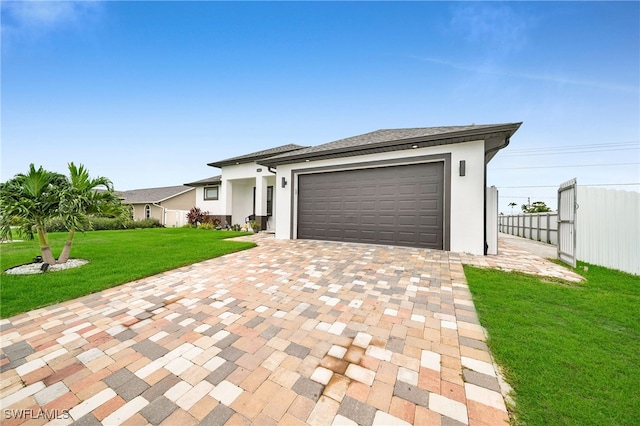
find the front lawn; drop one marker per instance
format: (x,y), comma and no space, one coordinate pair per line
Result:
(116,257)
(571,352)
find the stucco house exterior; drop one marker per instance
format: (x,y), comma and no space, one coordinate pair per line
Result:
(244,191)
(419,187)
(169,204)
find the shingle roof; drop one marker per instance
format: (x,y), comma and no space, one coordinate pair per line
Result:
(153,195)
(254,156)
(393,139)
(207,181)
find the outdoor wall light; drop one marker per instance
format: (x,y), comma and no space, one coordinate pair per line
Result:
(414,146)
(463,167)
(284,182)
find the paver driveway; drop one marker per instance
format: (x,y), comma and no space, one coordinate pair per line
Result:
(290,332)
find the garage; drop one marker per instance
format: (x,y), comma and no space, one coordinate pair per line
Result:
(394,205)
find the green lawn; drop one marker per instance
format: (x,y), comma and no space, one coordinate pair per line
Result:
(116,257)
(571,352)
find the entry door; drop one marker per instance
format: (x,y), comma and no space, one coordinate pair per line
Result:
(396,205)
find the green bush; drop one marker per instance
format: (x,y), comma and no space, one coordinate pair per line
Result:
(105,224)
(144,223)
(55,225)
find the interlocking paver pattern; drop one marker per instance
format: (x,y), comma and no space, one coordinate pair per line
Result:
(290,332)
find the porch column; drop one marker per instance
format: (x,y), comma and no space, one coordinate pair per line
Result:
(226,197)
(261,202)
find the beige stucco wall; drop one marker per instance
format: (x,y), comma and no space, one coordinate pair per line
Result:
(181,202)
(138,212)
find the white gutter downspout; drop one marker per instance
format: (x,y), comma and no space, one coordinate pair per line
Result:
(164,214)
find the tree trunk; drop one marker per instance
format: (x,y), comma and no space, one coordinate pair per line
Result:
(47,255)
(66,251)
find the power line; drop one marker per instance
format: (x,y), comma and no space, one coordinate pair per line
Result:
(574,147)
(580,151)
(556,186)
(563,167)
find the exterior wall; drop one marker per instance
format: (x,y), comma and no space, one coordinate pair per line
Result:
(467,198)
(181,202)
(138,212)
(242,202)
(492,220)
(214,207)
(467,192)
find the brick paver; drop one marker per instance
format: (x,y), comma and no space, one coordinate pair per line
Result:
(290,332)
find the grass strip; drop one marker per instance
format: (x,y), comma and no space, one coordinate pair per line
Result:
(570,351)
(116,257)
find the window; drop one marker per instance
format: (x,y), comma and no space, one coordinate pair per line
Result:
(147,211)
(269,200)
(211,193)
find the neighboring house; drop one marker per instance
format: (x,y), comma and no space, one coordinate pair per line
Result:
(419,187)
(169,204)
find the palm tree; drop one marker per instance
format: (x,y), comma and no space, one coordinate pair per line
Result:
(40,195)
(83,197)
(32,198)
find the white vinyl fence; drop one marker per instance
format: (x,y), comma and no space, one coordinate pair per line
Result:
(534,226)
(175,218)
(607,227)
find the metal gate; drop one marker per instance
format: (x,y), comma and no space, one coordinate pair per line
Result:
(567,206)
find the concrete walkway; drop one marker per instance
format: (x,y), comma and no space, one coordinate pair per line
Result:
(523,255)
(290,332)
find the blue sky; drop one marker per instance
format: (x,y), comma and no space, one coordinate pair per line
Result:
(147,93)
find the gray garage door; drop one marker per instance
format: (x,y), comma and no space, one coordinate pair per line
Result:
(398,205)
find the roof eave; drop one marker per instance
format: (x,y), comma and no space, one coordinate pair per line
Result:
(211,182)
(250,158)
(504,130)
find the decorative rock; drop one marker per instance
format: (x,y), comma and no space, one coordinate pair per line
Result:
(37,268)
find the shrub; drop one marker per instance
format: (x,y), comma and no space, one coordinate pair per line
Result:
(105,224)
(196,216)
(214,220)
(144,223)
(207,225)
(55,225)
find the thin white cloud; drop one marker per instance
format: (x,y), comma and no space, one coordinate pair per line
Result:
(34,18)
(557,79)
(496,27)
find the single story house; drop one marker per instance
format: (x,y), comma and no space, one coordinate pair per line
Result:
(169,204)
(419,187)
(245,190)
